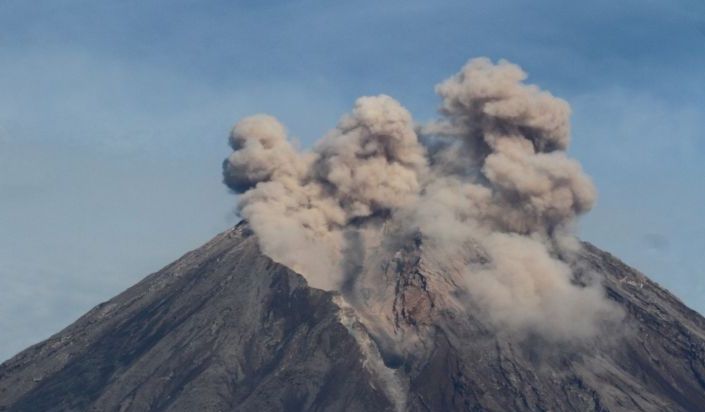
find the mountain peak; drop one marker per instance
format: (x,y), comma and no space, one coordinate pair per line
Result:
(226,328)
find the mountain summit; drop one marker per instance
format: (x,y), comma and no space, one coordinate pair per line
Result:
(226,328)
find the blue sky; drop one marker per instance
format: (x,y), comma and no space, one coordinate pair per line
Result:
(114,118)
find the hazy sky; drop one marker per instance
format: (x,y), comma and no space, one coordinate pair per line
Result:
(114,118)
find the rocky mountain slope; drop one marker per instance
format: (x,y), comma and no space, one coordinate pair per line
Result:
(226,328)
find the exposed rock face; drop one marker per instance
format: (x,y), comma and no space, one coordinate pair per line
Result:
(226,328)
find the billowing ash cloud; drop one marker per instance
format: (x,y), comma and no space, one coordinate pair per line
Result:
(489,178)
(372,162)
(261,152)
(515,134)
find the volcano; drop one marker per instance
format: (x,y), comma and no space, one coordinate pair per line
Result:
(226,328)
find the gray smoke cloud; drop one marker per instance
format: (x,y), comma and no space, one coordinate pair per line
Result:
(261,152)
(299,204)
(516,135)
(489,178)
(372,162)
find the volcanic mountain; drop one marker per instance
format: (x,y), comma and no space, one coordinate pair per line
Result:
(226,328)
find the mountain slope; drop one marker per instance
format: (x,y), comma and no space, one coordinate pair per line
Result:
(225,328)
(222,327)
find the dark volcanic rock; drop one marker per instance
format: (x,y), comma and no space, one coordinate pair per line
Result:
(225,328)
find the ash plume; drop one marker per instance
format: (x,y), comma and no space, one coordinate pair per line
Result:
(489,178)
